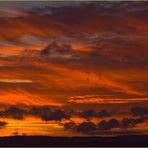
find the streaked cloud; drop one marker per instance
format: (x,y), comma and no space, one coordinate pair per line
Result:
(15,81)
(96,99)
(74,55)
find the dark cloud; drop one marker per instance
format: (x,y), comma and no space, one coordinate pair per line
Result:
(2,124)
(46,114)
(103,114)
(13,112)
(42,112)
(87,114)
(57,115)
(107,125)
(140,120)
(55,50)
(139,111)
(70,126)
(86,127)
(103,126)
(90,113)
(54,47)
(131,122)
(126,122)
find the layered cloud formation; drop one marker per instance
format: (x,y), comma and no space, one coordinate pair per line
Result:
(74,55)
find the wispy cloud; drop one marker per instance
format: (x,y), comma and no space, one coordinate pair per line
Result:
(97,99)
(15,81)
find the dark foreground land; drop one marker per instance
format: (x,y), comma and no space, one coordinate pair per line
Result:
(35,141)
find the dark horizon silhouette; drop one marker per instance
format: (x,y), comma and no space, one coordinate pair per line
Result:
(129,140)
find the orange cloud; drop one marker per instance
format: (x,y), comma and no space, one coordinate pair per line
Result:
(96,99)
(21,97)
(105,63)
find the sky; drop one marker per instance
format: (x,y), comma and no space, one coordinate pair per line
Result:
(73,68)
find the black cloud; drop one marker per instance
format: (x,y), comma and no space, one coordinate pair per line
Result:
(86,127)
(2,124)
(92,113)
(46,114)
(107,125)
(55,48)
(87,114)
(58,115)
(131,122)
(103,114)
(13,112)
(139,111)
(42,112)
(70,126)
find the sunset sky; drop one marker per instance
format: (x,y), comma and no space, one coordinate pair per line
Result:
(73,68)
